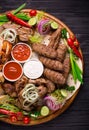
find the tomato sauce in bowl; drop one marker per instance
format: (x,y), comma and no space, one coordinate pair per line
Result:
(12,71)
(21,52)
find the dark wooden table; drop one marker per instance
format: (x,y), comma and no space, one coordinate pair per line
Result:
(74,13)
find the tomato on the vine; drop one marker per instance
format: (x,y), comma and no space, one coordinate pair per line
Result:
(33,12)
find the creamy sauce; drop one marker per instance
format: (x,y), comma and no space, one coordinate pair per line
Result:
(33,69)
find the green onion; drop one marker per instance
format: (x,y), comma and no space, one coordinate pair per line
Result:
(75,70)
(23,16)
(3,18)
(19,8)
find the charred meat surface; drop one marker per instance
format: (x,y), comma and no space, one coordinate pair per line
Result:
(66,65)
(38,81)
(9,89)
(42,90)
(61,52)
(44,82)
(50,86)
(44,50)
(24,33)
(20,84)
(51,64)
(54,40)
(54,76)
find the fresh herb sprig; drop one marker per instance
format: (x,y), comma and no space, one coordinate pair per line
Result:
(70,88)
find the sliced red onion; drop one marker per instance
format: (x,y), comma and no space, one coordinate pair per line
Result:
(40,26)
(51,103)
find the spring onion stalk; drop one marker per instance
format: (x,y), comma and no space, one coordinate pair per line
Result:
(19,8)
(23,16)
(3,18)
(76,71)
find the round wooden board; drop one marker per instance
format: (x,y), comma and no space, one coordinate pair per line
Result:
(67,104)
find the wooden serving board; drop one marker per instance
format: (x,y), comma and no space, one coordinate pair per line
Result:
(69,101)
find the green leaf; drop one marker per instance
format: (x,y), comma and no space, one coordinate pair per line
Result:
(35,39)
(1,23)
(23,16)
(40,15)
(3,18)
(70,88)
(10,107)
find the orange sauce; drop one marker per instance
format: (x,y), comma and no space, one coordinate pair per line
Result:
(12,70)
(21,52)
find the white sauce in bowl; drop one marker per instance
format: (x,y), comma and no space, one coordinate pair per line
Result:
(33,69)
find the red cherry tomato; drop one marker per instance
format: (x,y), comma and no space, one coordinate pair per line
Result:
(19,115)
(33,13)
(26,120)
(13,119)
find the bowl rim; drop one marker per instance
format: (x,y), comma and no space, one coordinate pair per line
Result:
(12,80)
(23,60)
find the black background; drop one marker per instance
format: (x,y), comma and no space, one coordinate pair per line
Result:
(74,13)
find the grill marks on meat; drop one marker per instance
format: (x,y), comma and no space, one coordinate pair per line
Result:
(52,57)
(39,81)
(55,39)
(20,84)
(61,52)
(44,50)
(51,64)
(47,83)
(66,65)
(42,90)
(22,32)
(50,86)
(9,89)
(54,76)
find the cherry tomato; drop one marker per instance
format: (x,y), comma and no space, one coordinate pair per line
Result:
(19,115)
(13,119)
(26,120)
(33,13)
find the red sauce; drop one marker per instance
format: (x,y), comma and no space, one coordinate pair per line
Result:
(12,70)
(21,52)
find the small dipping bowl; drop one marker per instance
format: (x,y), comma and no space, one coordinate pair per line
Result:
(21,52)
(33,69)
(12,71)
